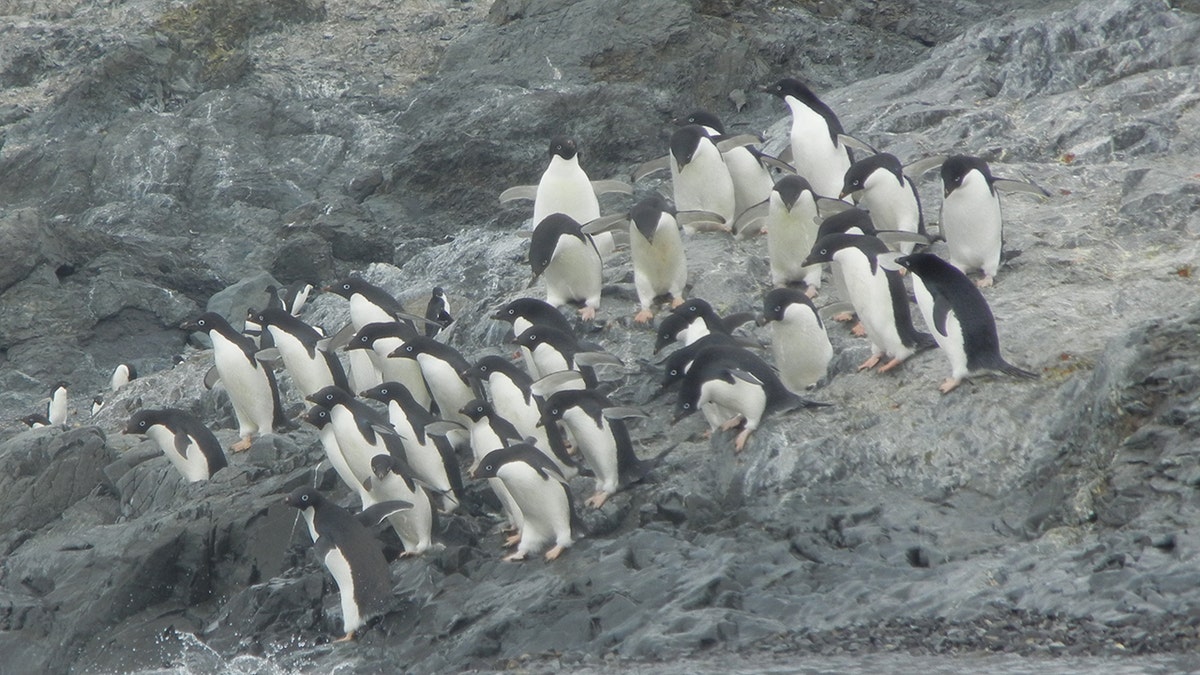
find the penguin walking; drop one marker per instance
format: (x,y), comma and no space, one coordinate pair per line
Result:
(601,436)
(437,312)
(442,367)
(250,385)
(877,294)
(348,550)
(659,261)
(392,479)
(122,375)
(818,152)
(430,456)
(960,317)
(525,312)
(570,262)
(700,177)
(190,446)
(555,351)
(791,231)
(971,222)
(320,418)
(379,340)
(301,347)
(878,184)
(541,494)
(58,404)
(490,432)
(368,304)
(799,343)
(749,167)
(361,432)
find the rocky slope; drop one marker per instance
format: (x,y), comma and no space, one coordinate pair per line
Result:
(159,158)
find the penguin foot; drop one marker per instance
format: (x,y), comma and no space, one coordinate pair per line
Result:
(984,282)
(596,501)
(706,435)
(676,301)
(242,445)
(553,553)
(514,557)
(949,385)
(512,540)
(348,637)
(843,317)
(740,441)
(870,363)
(587,313)
(408,554)
(643,316)
(890,364)
(733,422)
(811,292)
(859,330)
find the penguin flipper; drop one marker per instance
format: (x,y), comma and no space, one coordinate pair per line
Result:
(1010,185)
(337,340)
(622,413)
(738,318)
(597,359)
(650,167)
(211,378)
(374,514)
(547,385)
(182,442)
(891,237)
(269,356)
(727,143)
(915,169)
(322,546)
(519,192)
(605,223)
(601,187)
(751,215)
(701,223)
(442,427)
(858,143)
(450,463)
(828,206)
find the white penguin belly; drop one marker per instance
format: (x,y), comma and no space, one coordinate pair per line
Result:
(752,182)
(356,451)
(337,460)
(598,447)
(801,349)
(414,526)
(873,302)
(339,567)
(405,371)
(704,184)
(951,344)
(543,504)
(742,398)
(363,312)
(573,274)
(446,386)
(565,189)
(814,154)
(971,226)
(892,207)
(247,386)
(309,374)
(193,466)
(659,267)
(790,237)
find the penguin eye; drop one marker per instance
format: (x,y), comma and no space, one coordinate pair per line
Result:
(687,406)
(346,286)
(384,391)
(823,251)
(201,322)
(778,308)
(483,369)
(142,423)
(304,498)
(488,467)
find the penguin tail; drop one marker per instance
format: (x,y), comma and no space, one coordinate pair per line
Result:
(1009,369)
(640,469)
(924,341)
(795,402)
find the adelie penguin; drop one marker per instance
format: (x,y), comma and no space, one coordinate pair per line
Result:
(379,340)
(818,151)
(251,385)
(351,554)
(192,449)
(58,404)
(392,479)
(437,312)
(962,322)
(971,223)
(35,420)
(442,366)
(320,418)
(122,375)
(700,177)
(525,312)
(600,435)
(301,347)
(749,167)
(799,342)
(878,184)
(570,263)
(542,495)
(878,296)
(791,227)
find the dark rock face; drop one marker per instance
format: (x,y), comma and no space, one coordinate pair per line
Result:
(158,159)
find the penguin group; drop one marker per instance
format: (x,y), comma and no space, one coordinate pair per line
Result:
(406,421)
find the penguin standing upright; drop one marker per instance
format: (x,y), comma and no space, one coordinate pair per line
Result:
(437,312)
(183,438)
(700,176)
(570,262)
(344,545)
(491,432)
(879,185)
(659,261)
(818,153)
(799,342)
(971,223)
(368,304)
(442,366)
(295,296)
(122,375)
(747,165)
(878,296)
(542,495)
(791,232)
(251,385)
(961,320)
(320,418)
(58,405)
(555,351)
(525,312)
(379,340)
(602,440)
(392,479)
(312,367)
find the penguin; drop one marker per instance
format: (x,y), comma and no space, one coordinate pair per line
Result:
(673,328)
(732,396)
(348,550)
(659,262)
(748,166)
(392,479)
(437,312)
(791,231)
(799,342)
(58,406)
(361,432)
(251,328)
(877,294)
(430,456)
(368,303)
(35,421)
(570,262)
(251,385)
(525,312)
(565,188)
(301,347)
(122,375)
(295,296)
(442,367)
(960,317)
(702,319)
(700,177)
(818,152)
(320,418)
(878,184)
(378,340)
(193,450)
(97,404)
(541,494)
(602,438)
(554,351)
(971,222)
(491,432)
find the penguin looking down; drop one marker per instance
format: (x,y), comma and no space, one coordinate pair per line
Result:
(541,494)
(570,263)
(190,446)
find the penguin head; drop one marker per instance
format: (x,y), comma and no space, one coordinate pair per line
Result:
(491,463)
(318,416)
(702,118)
(956,168)
(777,301)
(57,386)
(381,465)
(852,220)
(304,497)
(409,350)
(647,214)
(346,287)
(790,86)
(926,265)
(545,239)
(686,404)
(790,187)
(476,409)
(825,247)
(859,173)
(561,146)
(329,396)
(389,391)
(685,142)
(670,329)
(204,323)
(140,422)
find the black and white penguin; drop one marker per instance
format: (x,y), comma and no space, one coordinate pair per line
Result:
(700,177)
(368,303)
(877,183)
(818,152)
(437,312)
(97,404)
(392,479)
(747,164)
(320,418)
(791,231)
(183,438)
(58,404)
(379,340)
(295,296)
(122,375)
(799,343)
(525,312)
(251,328)
(959,315)
(301,347)
(733,387)
(877,294)
(555,351)
(702,319)
(431,456)
(360,430)
(491,432)
(442,366)
(600,436)
(659,261)
(570,262)
(540,493)
(348,550)
(251,385)
(35,420)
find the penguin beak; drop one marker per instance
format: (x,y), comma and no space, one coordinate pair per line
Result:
(809,261)
(532,280)
(760,320)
